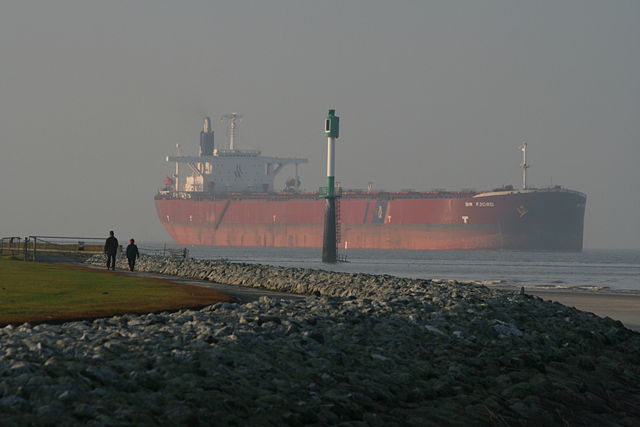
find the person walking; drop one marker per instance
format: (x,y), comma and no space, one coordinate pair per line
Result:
(111,249)
(132,254)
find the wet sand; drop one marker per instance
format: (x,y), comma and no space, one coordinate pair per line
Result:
(618,306)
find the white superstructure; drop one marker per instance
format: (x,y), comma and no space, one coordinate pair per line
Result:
(230,170)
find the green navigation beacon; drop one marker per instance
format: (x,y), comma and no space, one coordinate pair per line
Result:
(332,125)
(329,243)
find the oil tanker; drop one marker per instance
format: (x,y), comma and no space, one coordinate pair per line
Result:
(226,197)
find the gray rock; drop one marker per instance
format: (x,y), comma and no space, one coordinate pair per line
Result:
(359,349)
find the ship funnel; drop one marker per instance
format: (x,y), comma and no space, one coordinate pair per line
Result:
(206,138)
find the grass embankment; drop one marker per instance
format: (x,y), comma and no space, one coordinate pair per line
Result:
(47,293)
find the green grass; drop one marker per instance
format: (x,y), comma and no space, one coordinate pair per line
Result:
(40,292)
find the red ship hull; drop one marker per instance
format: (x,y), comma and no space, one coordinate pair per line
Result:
(549,219)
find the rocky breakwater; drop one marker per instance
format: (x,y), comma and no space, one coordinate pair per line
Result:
(358,350)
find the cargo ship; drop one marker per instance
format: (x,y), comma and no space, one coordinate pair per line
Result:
(226,197)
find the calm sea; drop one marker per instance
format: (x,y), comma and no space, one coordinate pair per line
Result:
(591,269)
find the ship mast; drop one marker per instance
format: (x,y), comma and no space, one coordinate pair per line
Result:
(233,120)
(524,166)
(177,174)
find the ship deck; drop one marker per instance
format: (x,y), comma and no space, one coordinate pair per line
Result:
(355,194)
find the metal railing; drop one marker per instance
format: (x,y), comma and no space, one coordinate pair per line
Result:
(12,246)
(67,248)
(164,251)
(51,248)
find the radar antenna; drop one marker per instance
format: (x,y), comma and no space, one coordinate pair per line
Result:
(524,166)
(233,120)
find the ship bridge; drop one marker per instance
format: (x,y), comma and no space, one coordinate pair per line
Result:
(228,169)
(231,171)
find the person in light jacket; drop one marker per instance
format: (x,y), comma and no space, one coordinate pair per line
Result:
(132,254)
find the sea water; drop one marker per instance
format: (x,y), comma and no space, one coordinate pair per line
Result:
(592,269)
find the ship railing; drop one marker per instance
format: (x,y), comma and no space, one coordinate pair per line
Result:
(170,194)
(237,153)
(323,192)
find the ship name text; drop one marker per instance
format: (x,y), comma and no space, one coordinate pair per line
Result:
(480,204)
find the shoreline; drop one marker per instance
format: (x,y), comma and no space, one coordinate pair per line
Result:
(615,305)
(351,349)
(620,305)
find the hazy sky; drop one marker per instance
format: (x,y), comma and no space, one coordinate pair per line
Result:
(431,94)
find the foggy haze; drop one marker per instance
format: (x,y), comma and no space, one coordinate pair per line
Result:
(94,95)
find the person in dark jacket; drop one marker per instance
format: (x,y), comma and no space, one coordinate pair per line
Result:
(132,254)
(111,249)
